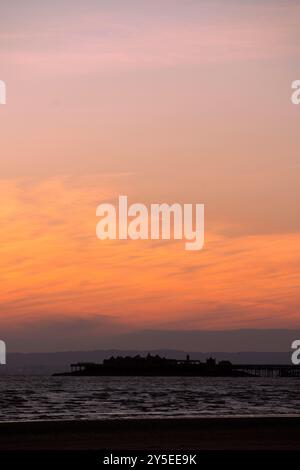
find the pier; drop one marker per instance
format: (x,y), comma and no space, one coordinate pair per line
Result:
(158,366)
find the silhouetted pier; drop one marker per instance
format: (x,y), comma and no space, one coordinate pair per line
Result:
(160,366)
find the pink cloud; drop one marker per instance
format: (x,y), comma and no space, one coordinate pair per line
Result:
(110,40)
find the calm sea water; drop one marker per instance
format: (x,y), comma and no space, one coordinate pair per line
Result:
(58,398)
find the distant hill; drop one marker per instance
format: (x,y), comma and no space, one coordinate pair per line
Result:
(48,363)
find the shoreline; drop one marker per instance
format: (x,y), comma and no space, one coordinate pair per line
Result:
(230,433)
(154,418)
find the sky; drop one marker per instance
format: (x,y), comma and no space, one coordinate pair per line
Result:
(164,101)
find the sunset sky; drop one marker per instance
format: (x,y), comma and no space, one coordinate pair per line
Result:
(165,101)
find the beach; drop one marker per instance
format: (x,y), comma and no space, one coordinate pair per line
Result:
(246,433)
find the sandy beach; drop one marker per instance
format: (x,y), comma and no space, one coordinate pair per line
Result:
(154,434)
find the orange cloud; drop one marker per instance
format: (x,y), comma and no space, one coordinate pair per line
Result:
(52,263)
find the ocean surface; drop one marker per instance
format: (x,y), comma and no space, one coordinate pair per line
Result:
(70,398)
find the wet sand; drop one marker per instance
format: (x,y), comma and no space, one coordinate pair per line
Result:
(154,434)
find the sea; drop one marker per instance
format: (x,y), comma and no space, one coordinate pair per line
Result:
(33,398)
